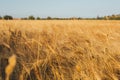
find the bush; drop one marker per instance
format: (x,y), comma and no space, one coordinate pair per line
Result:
(38,18)
(31,18)
(8,17)
(49,18)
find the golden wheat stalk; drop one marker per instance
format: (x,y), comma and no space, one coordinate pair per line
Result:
(10,67)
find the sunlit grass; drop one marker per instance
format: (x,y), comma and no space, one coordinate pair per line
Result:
(61,50)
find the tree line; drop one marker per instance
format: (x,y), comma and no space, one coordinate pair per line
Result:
(110,17)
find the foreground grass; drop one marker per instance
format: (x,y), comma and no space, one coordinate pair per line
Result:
(61,50)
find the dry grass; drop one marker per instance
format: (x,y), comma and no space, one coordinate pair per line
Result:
(61,50)
(9,69)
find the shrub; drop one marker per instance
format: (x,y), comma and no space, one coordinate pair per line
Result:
(8,17)
(31,18)
(38,18)
(49,18)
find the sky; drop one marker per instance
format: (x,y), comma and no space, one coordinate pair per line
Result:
(59,8)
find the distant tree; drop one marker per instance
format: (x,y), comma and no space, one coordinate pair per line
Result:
(24,18)
(79,18)
(57,18)
(7,17)
(49,18)
(113,15)
(118,18)
(0,17)
(98,17)
(106,17)
(38,18)
(31,18)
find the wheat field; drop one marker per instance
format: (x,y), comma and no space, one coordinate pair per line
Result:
(60,50)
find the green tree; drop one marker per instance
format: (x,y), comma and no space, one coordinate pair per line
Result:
(49,18)
(8,17)
(31,18)
(79,18)
(38,18)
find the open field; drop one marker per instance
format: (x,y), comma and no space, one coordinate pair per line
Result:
(60,50)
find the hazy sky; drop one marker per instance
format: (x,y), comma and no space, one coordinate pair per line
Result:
(59,8)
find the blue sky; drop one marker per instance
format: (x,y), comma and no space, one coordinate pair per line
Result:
(59,8)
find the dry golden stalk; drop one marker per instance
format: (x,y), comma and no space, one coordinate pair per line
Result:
(10,67)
